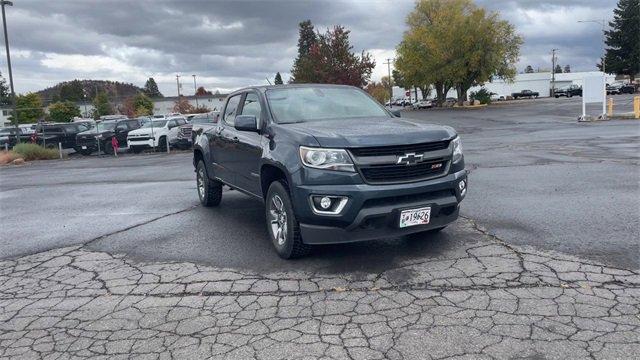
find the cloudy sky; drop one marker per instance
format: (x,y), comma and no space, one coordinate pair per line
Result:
(230,44)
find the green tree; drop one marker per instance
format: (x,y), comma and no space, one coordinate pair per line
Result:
(453,43)
(528,70)
(302,66)
(137,105)
(201,91)
(151,89)
(330,61)
(71,91)
(63,111)
(558,69)
(5,95)
(623,40)
(101,105)
(378,90)
(29,108)
(278,79)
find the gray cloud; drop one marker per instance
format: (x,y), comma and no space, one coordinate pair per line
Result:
(236,43)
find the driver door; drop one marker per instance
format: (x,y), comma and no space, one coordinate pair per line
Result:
(222,142)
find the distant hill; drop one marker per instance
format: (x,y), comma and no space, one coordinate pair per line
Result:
(74,90)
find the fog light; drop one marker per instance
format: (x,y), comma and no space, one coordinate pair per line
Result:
(325,203)
(461,185)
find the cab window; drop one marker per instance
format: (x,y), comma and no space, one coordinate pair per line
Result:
(230,111)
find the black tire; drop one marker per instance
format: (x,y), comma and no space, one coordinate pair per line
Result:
(85,152)
(136,150)
(51,146)
(570,95)
(162,143)
(209,191)
(282,225)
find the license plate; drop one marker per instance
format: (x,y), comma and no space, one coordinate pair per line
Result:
(415,217)
(84,147)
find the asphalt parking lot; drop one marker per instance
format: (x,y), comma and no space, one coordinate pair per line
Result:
(108,257)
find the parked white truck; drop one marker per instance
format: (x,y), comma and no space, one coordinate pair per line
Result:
(156,133)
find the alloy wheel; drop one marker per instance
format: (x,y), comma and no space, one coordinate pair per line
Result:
(278,220)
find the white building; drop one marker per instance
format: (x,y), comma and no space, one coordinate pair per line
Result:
(540,82)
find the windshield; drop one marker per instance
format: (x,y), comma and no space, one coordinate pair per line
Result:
(154,123)
(304,104)
(105,126)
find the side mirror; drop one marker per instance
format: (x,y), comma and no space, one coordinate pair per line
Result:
(396,113)
(246,123)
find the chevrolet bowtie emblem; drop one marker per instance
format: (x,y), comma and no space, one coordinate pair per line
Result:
(409,159)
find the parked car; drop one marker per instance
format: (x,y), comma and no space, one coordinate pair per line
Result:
(498,97)
(620,88)
(423,104)
(525,94)
(99,137)
(155,134)
(329,173)
(569,91)
(9,137)
(52,134)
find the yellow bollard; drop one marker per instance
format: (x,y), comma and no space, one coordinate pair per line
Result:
(610,108)
(636,106)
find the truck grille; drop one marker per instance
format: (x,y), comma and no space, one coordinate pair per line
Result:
(140,138)
(86,141)
(403,173)
(400,149)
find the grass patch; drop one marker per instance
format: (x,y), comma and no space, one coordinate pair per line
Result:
(31,152)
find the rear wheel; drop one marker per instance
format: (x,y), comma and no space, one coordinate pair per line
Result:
(108,148)
(282,224)
(209,191)
(136,150)
(162,143)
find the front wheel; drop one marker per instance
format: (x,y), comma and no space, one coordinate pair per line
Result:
(209,191)
(282,224)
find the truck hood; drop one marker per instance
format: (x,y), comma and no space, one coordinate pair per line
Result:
(147,131)
(348,133)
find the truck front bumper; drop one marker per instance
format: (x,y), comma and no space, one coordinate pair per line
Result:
(148,143)
(372,211)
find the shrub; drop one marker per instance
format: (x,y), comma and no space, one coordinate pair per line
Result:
(481,95)
(30,152)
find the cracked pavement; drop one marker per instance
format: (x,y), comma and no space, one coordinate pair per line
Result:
(485,299)
(117,260)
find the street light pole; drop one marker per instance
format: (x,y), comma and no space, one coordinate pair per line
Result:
(178,84)
(553,72)
(195,90)
(6,46)
(602,23)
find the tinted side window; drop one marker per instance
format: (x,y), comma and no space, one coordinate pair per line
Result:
(121,126)
(230,111)
(171,124)
(134,124)
(252,105)
(181,121)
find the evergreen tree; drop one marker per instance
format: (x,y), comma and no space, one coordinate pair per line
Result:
(623,40)
(278,79)
(151,88)
(302,66)
(528,69)
(558,69)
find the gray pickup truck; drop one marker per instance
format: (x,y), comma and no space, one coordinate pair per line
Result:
(331,165)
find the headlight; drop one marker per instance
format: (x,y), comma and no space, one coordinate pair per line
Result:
(328,159)
(457,149)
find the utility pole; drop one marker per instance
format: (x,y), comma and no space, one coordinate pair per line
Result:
(195,90)
(6,46)
(178,84)
(553,72)
(390,81)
